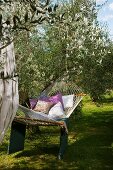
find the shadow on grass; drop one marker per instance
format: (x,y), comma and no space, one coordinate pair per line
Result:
(107,100)
(39,150)
(97,120)
(91,152)
(93,146)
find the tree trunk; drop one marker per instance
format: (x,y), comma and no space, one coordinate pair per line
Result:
(9,98)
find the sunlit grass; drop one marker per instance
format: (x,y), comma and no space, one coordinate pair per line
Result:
(90,144)
(90,107)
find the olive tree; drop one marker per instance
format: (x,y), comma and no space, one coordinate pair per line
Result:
(84,45)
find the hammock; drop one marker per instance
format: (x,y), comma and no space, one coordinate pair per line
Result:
(65,88)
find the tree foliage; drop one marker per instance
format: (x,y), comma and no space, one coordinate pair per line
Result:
(16,16)
(71,42)
(85,45)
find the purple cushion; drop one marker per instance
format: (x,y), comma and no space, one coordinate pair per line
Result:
(33,103)
(57,98)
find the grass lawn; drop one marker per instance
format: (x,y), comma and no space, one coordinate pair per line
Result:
(90,143)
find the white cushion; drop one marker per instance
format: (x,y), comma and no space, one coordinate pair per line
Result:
(56,111)
(68,100)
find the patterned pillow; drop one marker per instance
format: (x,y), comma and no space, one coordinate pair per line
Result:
(43,106)
(54,99)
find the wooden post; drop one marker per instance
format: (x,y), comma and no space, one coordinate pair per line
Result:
(63,141)
(17,137)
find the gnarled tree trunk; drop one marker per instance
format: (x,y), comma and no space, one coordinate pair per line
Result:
(9,98)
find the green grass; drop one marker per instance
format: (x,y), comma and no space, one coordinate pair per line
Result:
(90,143)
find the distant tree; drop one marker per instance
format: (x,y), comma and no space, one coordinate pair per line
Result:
(107,64)
(37,66)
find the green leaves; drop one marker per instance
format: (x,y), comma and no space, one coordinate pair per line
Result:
(23,15)
(83,45)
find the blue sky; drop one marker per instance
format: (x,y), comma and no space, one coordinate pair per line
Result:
(105,15)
